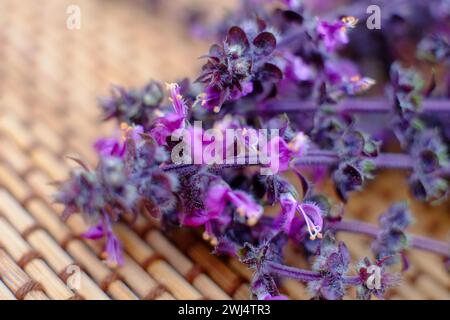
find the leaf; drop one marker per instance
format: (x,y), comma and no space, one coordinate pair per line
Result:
(353,142)
(215,51)
(80,162)
(270,72)
(292,16)
(265,43)
(418,189)
(237,37)
(431,86)
(347,178)
(429,161)
(304,182)
(260,23)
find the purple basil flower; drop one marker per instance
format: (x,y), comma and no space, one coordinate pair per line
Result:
(376,287)
(333,262)
(296,69)
(94,232)
(166,124)
(357,84)
(214,215)
(310,213)
(335,34)
(284,151)
(113,147)
(109,147)
(113,250)
(234,65)
(337,71)
(345,78)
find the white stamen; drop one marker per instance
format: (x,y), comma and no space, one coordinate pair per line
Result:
(314,231)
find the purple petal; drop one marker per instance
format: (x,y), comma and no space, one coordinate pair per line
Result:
(165,126)
(196,219)
(288,209)
(246,206)
(95,232)
(177,100)
(270,72)
(114,250)
(216,199)
(108,147)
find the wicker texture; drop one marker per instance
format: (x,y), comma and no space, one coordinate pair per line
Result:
(49,79)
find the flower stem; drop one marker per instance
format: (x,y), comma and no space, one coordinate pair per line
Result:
(384,160)
(305,275)
(418,242)
(353,105)
(315,158)
(293,273)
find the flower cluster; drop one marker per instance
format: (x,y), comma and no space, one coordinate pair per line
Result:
(273,68)
(332,262)
(133,106)
(235,67)
(392,240)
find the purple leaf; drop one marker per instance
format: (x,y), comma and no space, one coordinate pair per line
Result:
(237,37)
(265,43)
(270,72)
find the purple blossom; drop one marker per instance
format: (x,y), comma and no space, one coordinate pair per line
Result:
(113,250)
(215,216)
(166,124)
(94,232)
(281,153)
(386,281)
(296,69)
(309,212)
(113,147)
(234,65)
(334,34)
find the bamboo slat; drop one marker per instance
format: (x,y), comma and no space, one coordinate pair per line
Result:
(20,284)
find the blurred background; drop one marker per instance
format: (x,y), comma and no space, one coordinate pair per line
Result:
(51,77)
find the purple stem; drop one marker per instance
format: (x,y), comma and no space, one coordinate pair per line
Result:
(305,275)
(354,105)
(418,242)
(238,162)
(384,160)
(294,273)
(319,158)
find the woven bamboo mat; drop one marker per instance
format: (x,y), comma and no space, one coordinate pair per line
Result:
(49,80)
